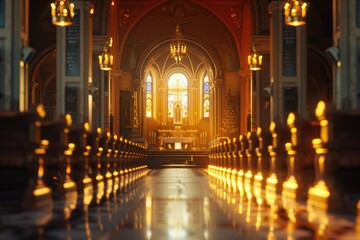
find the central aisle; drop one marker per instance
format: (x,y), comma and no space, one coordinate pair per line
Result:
(176,205)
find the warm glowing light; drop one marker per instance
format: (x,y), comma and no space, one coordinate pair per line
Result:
(71,146)
(100,190)
(69,184)
(86,126)
(255,60)
(272,179)
(88,194)
(41,191)
(291,119)
(86,180)
(106,60)
(178,47)
(291,183)
(40,169)
(320,113)
(99,177)
(320,190)
(41,111)
(108,175)
(295,12)
(68,119)
(40,151)
(62,13)
(320,109)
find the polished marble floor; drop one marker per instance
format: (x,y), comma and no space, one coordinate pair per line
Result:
(178,203)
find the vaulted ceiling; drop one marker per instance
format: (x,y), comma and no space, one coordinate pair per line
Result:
(218,32)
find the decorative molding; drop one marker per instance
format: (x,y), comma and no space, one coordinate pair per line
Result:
(275,5)
(219,82)
(262,43)
(244,73)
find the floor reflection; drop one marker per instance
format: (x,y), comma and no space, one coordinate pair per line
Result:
(178,206)
(182,204)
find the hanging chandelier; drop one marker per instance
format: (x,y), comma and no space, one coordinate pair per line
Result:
(62,13)
(254,60)
(178,47)
(295,12)
(106,60)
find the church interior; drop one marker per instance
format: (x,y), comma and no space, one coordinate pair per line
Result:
(179,119)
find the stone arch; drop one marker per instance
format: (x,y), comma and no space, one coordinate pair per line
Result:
(210,60)
(191,34)
(319,79)
(43,81)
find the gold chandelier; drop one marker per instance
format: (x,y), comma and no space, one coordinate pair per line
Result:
(295,12)
(106,60)
(178,47)
(62,13)
(254,60)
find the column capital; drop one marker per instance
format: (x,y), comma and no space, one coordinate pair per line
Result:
(136,82)
(98,42)
(244,73)
(115,75)
(276,5)
(262,43)
(218,82)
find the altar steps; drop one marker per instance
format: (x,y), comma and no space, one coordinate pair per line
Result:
(163,158)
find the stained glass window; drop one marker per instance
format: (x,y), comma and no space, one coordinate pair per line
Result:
(206,95)
(178,94)
(148,96)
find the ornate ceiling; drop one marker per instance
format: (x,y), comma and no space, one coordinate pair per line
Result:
(217,31)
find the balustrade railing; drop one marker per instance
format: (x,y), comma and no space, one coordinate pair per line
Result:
(52,165)
(311,162)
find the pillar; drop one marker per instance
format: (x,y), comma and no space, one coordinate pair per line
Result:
(261,81)
(217,107)
(98,83)
(244,100)
(346,37)
(115,86)
(287,65)
(14,54)
(74,65)
(138,129)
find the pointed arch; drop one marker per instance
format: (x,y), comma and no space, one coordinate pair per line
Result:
(177,95)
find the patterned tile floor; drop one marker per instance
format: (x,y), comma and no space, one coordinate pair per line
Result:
(177,203)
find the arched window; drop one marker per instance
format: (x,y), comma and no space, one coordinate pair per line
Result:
(178,94)
(149,96)
(206,95)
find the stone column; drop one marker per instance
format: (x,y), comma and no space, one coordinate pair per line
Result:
(15,55)
(160,93)
(346,33)
(244,99)
(114,107)
(288,65)
(212,112)
(98,83)
(261,80)
(138,128)
(106,86)
(217,108)
(74,65)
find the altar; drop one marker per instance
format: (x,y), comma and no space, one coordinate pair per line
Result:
(177,139)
